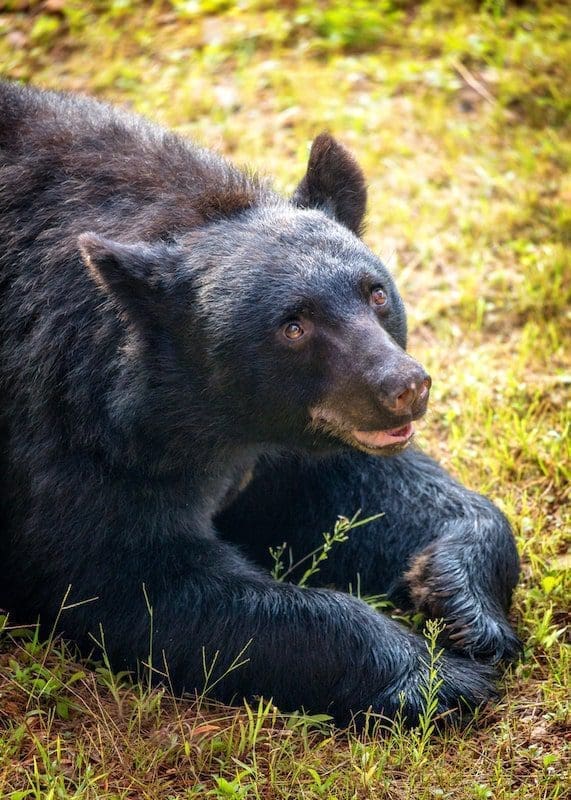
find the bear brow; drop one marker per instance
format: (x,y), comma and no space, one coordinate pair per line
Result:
(299,308)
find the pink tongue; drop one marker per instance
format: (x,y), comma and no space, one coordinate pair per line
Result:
(384,438)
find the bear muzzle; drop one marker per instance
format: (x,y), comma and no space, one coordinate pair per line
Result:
(380,419)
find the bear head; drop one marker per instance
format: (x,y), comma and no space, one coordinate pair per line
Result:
(287,330)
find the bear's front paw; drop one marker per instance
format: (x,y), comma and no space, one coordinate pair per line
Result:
(483,636)
(474,623)
(463,686)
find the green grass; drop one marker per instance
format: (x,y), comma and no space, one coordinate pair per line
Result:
(459,113)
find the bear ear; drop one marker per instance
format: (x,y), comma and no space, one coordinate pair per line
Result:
(139,277)
(334,183)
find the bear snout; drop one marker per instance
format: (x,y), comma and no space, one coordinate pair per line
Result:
(409,395)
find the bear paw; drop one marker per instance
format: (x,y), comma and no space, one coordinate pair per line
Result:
(475,625)
(463,687)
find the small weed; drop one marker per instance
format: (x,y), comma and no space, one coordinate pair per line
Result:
(343,526)
(420,736)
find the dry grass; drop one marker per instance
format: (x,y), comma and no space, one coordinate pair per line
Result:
(459,113)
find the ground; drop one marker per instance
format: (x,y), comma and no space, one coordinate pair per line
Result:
(459,113)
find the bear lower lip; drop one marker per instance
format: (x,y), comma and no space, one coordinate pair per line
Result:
(384,438)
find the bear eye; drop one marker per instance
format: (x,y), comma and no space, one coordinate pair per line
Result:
(293,331)
(379,296)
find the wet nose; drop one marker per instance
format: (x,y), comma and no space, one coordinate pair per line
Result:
(401,400)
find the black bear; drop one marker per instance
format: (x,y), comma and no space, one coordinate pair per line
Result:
(193,369)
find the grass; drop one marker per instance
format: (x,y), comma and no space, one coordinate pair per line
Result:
(459,113)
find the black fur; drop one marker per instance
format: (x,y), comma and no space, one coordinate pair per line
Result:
(147,294)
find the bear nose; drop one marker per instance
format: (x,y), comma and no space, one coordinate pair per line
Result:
(401,402)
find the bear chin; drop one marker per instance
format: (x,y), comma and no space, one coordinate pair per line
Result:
(386,450)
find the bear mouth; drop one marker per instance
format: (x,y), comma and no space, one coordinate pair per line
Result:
(374,442)
(394,438)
